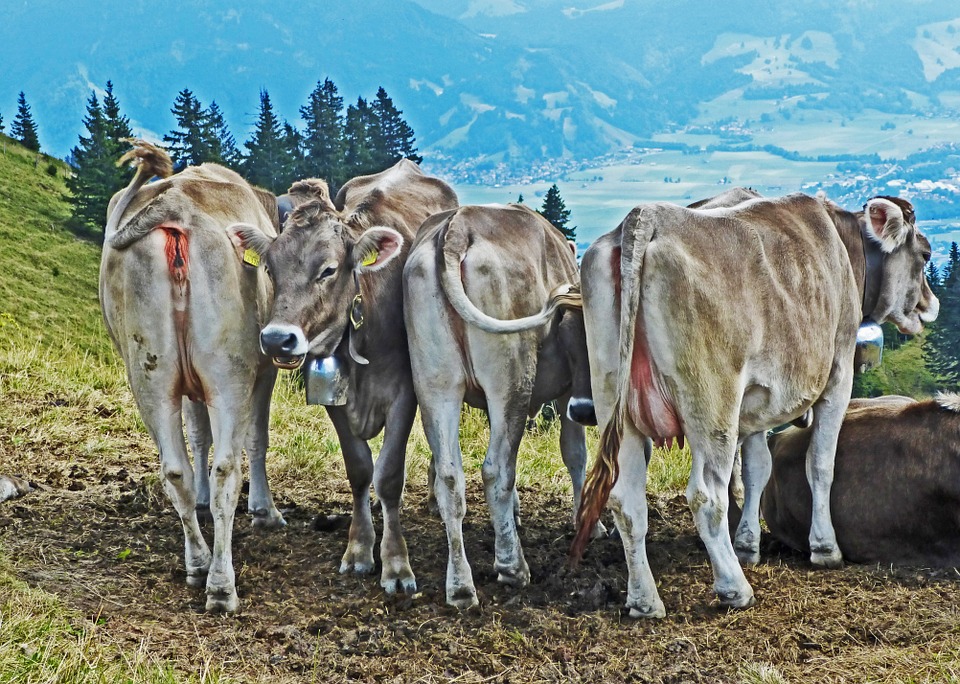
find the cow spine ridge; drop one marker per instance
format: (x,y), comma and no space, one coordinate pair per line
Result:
(636,233)
(150,161)
(949,400)
(451,253)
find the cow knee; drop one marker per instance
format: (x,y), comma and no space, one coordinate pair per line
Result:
(224,469)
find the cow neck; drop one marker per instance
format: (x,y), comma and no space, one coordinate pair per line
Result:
(865,257)
(873,272)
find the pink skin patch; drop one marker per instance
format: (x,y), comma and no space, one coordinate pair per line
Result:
(649,407)
(175,250)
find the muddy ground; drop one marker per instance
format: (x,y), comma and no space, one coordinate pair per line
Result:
(99,534)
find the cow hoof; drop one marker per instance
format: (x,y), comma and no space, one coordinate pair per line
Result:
(222,601)
(831,559)
(267,520)
(197,578)
(463,598)
(747,556)
(357,567)
(513,577)
(653,611)
(736,599)
(399,585)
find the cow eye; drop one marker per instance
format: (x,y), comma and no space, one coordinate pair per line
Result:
(926,256)
(327,272)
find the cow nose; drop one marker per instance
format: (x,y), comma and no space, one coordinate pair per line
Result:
(283,340)
(581,410)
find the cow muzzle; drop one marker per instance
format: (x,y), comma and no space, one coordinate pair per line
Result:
(285,344)
(581,410)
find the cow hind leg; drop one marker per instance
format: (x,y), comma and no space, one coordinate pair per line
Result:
(224,495)
(388,480)
(707,494)
(358,558)
(164,421)
(573,450)
(441,424)
(260,503)
(197,422)
(757,464)
(507,423)
(628,501)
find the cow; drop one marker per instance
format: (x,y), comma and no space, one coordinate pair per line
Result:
(896,486)
(183,305)
(338,292)
(733,321)
(474,274)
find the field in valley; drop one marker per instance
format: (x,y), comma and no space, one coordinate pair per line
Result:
(91,572)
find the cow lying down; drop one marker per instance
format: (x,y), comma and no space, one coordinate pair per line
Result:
(896,484)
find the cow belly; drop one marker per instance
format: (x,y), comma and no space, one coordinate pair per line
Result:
(649,406)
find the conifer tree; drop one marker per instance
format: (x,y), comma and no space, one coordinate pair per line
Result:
(293,144)
(393,138)
(1,123)
(220,143)
(268,162)
(555,211)
(323,137)
(942,347)
(24,128)
(188,144)
(360,154)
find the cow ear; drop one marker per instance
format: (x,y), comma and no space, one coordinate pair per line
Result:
(376,247)
(249,242)
(885,224)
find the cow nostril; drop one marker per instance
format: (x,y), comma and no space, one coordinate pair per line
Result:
(281,341)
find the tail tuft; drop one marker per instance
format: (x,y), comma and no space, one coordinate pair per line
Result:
(596,490)
(150,159)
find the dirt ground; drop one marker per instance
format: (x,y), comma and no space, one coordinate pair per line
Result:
(100,534)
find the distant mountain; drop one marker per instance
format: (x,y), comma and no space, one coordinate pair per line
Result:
(481,81)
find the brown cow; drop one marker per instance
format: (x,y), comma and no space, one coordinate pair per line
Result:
(734,320)
(468,271)
(337,278)
(896,484)
(184,311)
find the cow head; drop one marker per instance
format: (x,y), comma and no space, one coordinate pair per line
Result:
(573,338)
(896,289)
(315,266)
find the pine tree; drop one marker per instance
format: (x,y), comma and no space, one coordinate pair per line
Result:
(97,176)
(268,163)
(189,143)
(556,212)
(360,154)
(942,347)
(221,145)
(323,137)
(24,128)
(520,198)
(1,123)
(393,139)
(293,144)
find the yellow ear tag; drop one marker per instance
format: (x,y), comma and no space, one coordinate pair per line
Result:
(251,257)
(370,259)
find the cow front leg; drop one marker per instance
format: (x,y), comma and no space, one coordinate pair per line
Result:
(628,502)
(573,450)
(260,502)
(357,459)
(197,423)
(707,494)
(225,480)
(507,423)
(388,481)
(828,415)
(757,463)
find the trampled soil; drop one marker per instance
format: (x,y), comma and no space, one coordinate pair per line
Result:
(100,534)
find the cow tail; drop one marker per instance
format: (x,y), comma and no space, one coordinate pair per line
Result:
(451,250)
(637,231)
(149,160)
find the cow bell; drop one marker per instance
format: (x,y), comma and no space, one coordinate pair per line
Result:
(869,352)
(326,381)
